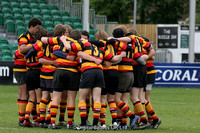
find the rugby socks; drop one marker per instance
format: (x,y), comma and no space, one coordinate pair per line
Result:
(63,106)
(88,107)
(29,108)
(22,107)
(34,113)
(103,113)
(135,111)
(38,112)
(70,111)
(113,110)
(43,105)
(18,106)
(54,110)
(83,112)
(119,118)
(150,110)
(140,110)
(96,112)
(125,109)
(124,119)
(48,118)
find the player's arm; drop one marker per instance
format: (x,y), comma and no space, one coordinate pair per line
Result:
(124,39)
(30,52)
(62,55)
(97,43)
(118,58)
(86,56)
(141,59)
(46,62)
(151,52)
(66,44)
(44,40)
(24,48)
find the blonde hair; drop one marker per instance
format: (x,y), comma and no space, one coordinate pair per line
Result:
(68,28)
(101,35)
(59,30)
(124,28)
(132,30)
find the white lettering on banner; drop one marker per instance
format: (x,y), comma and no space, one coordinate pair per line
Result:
(177,74)
(186,75)
(193,75)
(158,71)
(4,71)
(168,75)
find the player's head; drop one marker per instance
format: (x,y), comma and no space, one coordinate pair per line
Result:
(68,30)
(40,32)
(118,33)
(75,34)
(124,28)
(85,34)
(33,24)
(132,31)
(59,30)
(101,35)
(50,34)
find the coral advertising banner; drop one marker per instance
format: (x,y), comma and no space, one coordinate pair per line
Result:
(177,75)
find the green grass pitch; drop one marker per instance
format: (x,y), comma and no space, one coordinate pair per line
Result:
(178,108)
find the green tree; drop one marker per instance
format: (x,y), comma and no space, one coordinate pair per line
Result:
(161,11)
(116,10)
(148,11)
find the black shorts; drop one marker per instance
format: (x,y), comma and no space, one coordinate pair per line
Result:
(20,77)
(92,78)
(140,76)
(46,84)
(65,80)
(151,78)
(111,78)
(33,79)
(125,82)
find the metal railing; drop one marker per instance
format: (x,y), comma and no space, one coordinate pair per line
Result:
(163,56)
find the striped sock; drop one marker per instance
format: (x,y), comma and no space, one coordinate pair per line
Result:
(139,109)
(125,109)
(70,111)
(83,112)
(22,111)
(113,110)
(54,110)
(124,119)
(38,111)
(96,113)
(29,108)
(150,110)
(48,118)
(103,114)
(34,113)
(63,106)
(43,105)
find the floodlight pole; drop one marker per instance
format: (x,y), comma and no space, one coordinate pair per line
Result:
(191,31)
(134,14)
(86,15)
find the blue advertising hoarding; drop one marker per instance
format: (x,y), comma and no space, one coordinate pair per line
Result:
(177,75)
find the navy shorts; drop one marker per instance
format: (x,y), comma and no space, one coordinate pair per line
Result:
(140,76)
(111,78)
(65,80)
(20,77)
(92,78)
(33,79)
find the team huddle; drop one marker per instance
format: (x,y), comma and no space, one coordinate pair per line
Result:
(51,67)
